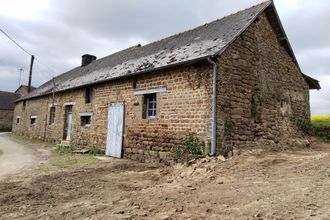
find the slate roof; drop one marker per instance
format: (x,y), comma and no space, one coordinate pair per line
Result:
(25,87)
(184,48)
(196,44)
(7,100)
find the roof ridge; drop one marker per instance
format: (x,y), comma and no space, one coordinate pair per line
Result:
(168,37)
(7,92)
(207,23)
(182,32)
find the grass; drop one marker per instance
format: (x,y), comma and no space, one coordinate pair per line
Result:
(321,121)
(61,156)
(64,157)
(67,160)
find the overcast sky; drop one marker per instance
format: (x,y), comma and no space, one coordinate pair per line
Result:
(58,32)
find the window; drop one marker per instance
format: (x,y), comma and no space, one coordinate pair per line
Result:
(24,105)
(151,104)
(33,120)
(52,115)
(18,120)
(89,95)
(85,121)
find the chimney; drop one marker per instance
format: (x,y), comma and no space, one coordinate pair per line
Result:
(87,59)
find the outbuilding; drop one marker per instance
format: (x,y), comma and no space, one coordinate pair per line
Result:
(234,82)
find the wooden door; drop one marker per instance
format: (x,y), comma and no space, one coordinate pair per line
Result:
(115,130)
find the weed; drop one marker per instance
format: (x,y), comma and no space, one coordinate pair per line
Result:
(324,139)
(227,126)
(95,151)
(65,149)
(178,151)
(254,107)
(192,148)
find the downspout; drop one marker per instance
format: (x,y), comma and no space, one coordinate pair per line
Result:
(45,132)
(214,106)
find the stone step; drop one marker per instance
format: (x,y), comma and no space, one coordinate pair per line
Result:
(65,143)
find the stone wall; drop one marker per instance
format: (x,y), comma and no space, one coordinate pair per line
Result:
(182,110)
(6,119)
(262,96)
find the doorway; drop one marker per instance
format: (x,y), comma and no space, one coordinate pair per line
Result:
(68,123)
(115,130)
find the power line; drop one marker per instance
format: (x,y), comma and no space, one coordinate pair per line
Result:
(15,42)
(47,66)
(10,38)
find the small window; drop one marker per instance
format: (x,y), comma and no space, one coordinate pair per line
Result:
(85,121)
(33,120)
(52,115)
(18,120)
(24,105)
(89,95)
(151,105)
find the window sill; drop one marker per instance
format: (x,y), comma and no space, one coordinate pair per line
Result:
(86,126)
(150,119)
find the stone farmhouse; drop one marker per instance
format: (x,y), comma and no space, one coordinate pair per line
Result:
(234,82)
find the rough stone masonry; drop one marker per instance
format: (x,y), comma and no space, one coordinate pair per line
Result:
(262,100)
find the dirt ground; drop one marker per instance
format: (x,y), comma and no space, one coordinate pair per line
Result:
(14,158)
(253,185)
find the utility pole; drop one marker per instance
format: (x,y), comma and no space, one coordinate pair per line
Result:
(30,75)
(54,87)
(21,70)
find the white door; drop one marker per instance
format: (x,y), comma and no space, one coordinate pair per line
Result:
(69,127)
(115,130)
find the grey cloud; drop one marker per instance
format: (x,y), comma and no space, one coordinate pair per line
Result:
(72,28)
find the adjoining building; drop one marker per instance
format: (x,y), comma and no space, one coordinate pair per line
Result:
(234,82)
(7,106)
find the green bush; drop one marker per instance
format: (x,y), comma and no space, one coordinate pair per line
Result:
(325,139)
(5,130)
(192,148)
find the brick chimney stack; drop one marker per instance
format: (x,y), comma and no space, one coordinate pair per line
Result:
(87,59)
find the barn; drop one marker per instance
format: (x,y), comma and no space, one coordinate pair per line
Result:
(234,82)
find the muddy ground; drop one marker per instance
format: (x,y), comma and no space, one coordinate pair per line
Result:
(253,185)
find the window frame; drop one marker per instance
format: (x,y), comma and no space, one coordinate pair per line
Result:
(52,114)
(89,95)
(151,99)
(24,105)
(33,120)
(83,120)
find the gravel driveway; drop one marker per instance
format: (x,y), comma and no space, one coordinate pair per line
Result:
(14,156)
